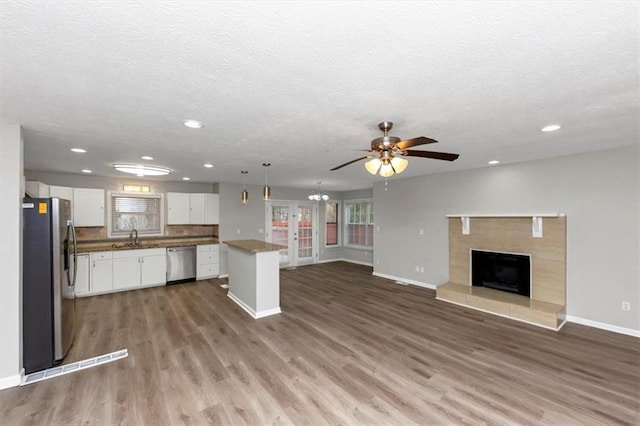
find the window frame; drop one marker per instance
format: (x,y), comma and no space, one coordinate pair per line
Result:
(112,194)
(337,222)
(345,222)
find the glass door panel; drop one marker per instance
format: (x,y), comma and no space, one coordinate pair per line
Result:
(304,234)
(280,230)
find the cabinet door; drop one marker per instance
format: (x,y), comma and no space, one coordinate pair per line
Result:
(88,207)
(211,209)
(83,286)
(196,214)
(177,208)
(153,270)
(102,276)
(126,273)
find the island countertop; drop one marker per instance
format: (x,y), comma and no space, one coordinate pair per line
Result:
(254,246)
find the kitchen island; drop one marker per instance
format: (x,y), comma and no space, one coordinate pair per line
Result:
(254,276)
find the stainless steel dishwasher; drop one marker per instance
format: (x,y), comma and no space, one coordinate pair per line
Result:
(181,264)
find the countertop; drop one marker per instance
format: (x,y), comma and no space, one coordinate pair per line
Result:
(158,242)
(254,246)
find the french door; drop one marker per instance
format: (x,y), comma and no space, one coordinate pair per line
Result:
(294,225)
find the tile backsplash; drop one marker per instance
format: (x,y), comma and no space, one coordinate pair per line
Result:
(100,233)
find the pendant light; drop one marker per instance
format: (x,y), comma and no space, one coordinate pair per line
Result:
(244,198)
(266,191)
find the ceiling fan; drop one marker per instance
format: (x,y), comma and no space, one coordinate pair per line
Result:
(387,151)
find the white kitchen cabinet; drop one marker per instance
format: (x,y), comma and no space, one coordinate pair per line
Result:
(88,207)
(126,271)
(178,208)
(83,274)
(207,261)
(153,270)
(211,209)
(192,209)
(136,268)
(101,279)
(196,209)
(36,189)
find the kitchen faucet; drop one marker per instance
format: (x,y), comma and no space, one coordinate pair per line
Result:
(135,241)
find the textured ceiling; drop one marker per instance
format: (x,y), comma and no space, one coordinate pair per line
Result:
(303,84)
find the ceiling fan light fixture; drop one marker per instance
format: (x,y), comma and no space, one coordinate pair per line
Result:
(373,165)
(399,164)
(386,170)
(142,170)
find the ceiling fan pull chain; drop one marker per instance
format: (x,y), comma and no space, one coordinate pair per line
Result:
(385,184)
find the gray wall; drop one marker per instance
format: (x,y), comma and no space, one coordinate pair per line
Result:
(599,193)
(116,184)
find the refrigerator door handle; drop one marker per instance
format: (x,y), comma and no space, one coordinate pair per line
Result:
(75,254)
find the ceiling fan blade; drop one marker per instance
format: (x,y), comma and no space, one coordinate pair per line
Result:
(430,154)
(420,140)
(350,162)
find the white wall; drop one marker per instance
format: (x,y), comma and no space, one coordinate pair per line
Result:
(10,254)
(599,192)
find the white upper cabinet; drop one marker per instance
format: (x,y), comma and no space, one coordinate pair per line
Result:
(196,213)
(178,207)
(211,209)
(192,209)
(88,207)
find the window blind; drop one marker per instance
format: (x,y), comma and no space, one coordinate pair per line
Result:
(135,212)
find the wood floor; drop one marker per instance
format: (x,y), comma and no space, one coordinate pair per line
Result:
(349,348)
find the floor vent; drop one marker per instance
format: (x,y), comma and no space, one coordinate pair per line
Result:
(224,285)
(70,368)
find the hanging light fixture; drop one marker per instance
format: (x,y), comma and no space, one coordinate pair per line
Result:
(244,198)
(266,191)
(387,164)
(317,196)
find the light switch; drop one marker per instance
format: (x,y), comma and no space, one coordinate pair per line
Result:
(260,231)
(422,232)
(238,231)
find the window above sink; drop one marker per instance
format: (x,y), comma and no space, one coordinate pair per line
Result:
(129,211)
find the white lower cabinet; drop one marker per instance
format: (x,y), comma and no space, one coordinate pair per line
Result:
(83,274)
(208,261)
(101,279)
(136,268)
(122,270)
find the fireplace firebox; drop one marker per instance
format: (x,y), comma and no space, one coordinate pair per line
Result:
(508,272)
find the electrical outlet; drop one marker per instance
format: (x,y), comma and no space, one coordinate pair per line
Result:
(377,261)
(238,231)
(417,269)
(260,231)
(185,232)
(626,306)
(422,269)
(422,232)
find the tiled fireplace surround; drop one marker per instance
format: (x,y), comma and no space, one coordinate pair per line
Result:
(511,234)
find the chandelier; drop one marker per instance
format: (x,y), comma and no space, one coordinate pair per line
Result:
(317,196)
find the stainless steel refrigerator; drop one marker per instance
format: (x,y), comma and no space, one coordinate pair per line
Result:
(48,282)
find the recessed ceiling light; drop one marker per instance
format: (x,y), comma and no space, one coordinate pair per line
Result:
(86,171)
(494,162)
(193,124)
(208,165)
(142,170)
(146,157)
(79,150)
(550,128)
(186,178)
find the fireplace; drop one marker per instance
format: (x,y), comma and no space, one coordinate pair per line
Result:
(509,272)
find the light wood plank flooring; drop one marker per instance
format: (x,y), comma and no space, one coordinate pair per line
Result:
(349,348)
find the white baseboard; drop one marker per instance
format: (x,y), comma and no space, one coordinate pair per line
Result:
(11,381)
(604,326)
(223,276)
(405,280)
(357,262)
(251,311)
